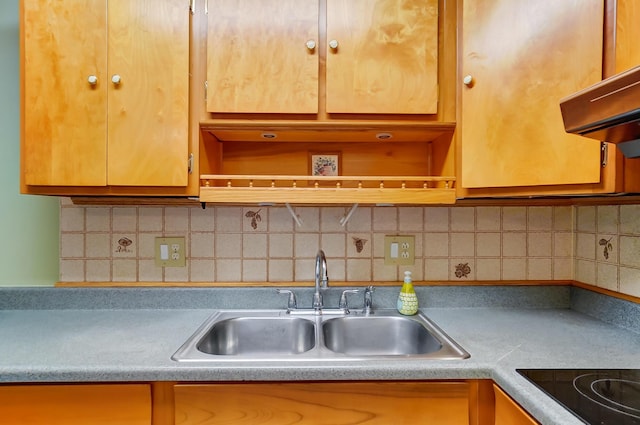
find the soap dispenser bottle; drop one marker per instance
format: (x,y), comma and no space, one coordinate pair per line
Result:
(407,299)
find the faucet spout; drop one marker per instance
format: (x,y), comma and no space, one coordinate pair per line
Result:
(321,281)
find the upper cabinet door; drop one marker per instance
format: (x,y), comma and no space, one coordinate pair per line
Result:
(64,98)
(518,59)
(148,79)
(263,56)
(382,56)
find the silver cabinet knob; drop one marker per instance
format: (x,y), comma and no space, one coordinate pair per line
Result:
(333,44)
(311,44)
(92,79)
(116,79)
(468,81)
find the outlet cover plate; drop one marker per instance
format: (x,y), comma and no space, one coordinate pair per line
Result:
(399,250)
(170,252)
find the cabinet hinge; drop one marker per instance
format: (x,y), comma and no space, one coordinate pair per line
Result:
(190,163)
(206,7)
(206,88)
(192,6)
(604,150)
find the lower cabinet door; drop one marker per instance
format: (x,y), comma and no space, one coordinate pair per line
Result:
(82,404)
(508,412)
(315,403)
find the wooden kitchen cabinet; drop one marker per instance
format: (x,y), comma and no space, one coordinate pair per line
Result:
(81,404)
(105,95)
(443,403)
(377,56)
(508,412)
(517,60)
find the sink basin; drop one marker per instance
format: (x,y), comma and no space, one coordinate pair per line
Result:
(276,335)
(259,335)
(378,336)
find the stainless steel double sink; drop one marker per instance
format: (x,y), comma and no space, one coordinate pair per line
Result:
(279,335)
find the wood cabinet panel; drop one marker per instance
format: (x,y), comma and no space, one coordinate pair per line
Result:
(509,412)
(524,57)
(387,56)
(257,58)
(64,116)
(443,403)
(627,35)
(124,404)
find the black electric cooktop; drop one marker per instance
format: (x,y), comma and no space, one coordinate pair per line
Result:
(596,396)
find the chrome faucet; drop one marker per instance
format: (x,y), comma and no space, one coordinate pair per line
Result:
(368,300)
(322,280)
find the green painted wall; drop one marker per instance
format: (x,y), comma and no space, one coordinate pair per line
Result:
(29,228)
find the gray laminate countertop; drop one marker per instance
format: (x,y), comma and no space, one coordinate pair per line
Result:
(62,335)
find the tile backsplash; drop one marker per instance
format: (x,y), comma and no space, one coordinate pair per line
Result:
(597,245)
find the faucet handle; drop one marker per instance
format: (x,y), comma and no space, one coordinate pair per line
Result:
(292,303)
(368,298)
(343,304)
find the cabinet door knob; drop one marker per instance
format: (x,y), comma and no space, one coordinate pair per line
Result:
(116,79)
(333,44)
(468,81)
(92,79)
(311,45)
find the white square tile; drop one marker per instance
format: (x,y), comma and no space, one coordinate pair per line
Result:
(514,244)
(72,219)
(177,274)
(359,245)
(436,269)
(98,245)
(359,270)
(124,245)
(629,249)
(304,270)
(514,269)
(463,219)
(202,270)
(384,273)
(607,276)
(630,219)
(608,218)
(281,270)
(586,219)
(563,218)
(385,219)
(488,268)
(411,219)
(435,245)
(563,268)
(228,270)
(202,220)
(202,245)
(330,219)
(280,245)
(377,243)
(488,244)
(586,271)
(72,270)
(539,269)
(462,244)
(254,270)
(280,219)
(436,219)
(306,245)
(147,245)
(361,220)
(514,218)
(586,246)
(336,269)
(228,219)
(539,244)
(150,219)
(417,270)
(228,245)
(462,269)
(255,219)
(630,281)
(607,248)
(540,219)
(148,271)
(124,270)
(310,217)
(176,220)
(333,244)
(125,219)
(254,245)
(98,219)
(72,245)
(562,244)
(98,270)
(488,218)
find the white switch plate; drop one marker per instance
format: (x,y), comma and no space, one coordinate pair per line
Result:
(170,252)
(399,250)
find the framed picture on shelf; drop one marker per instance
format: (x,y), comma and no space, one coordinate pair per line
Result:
(324,163)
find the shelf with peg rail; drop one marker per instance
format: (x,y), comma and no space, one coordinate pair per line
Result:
(297,189)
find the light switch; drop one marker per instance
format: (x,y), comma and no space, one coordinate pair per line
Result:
(164,251)
(399,250)
(170,252)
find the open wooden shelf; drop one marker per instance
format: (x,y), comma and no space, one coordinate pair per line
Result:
(297,189)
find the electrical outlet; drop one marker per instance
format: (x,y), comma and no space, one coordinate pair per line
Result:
(399,250)
(170,252)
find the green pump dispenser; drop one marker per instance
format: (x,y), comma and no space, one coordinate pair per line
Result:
(407,299)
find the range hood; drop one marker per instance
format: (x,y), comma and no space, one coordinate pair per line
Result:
(608,111)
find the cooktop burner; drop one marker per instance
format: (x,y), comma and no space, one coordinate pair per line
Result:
(597,397)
